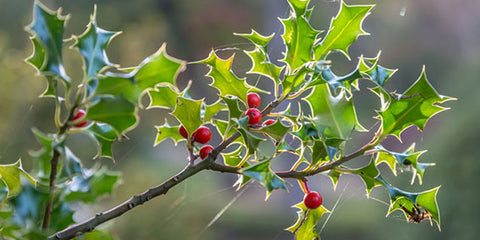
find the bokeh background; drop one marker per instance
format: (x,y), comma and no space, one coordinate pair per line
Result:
(442,34)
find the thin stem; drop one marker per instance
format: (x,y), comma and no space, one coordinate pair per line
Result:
(134,201)
(53,172)
(190,170)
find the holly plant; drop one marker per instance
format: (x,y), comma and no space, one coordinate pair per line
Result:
(313,125)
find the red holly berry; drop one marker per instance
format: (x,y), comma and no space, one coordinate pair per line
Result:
(253,100)
(312,200)
(80,114)
(183,132)
(269,122)
(202,135)
(254,116)
(204,151)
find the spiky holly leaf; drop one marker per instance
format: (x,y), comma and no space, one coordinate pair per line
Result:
(307,132)
(262,65)
(235,157)
(159,68)
(263,173)
(294,82)
(117,112)
(256,38)
(166,131)
(12,175)
(414,107)
(28,205)
(96,182)
(104,135)
(223,77)
(376,73)
(369,175)
(163,97)
(319,152)
(225,129)
(407,158)
(233,108)
(251,141)
(92,45)
(307,220)
(70,165)
(41,157)
(209,111)
(276,130)
(326,75)
(47,28)
(413,205)
(333,116)
(334,176)
(187,111)
(345,28)
(298,36)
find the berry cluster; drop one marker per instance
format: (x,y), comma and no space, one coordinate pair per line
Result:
(80,114)
(202,135)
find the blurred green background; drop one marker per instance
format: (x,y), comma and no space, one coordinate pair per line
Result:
(442,34)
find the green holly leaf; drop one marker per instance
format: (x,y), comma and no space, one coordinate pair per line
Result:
(414,107)
(333,116)
(92,45)
(299,37)
(41,157)
(276,130)
(376,73)
(117,112)
(188,111)
(256,38)
(28,205)
(251,141)
(326,75)
(295,81)
(47,29)
(263,173)
(407,158)
(233,108)
(345,28)
(262,65)
(299,7)
(223,77)
(159,68)
(96,182)
(62,216)
(319,152)
(334,176)
(235,157)
(209,111)
(369,175)
(166,131)
(307,132)
(307,220)
(163,97)
(104,135)
(12,175)
(70,165)
(414,205)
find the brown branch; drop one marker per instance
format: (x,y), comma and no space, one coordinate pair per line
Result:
(190,170)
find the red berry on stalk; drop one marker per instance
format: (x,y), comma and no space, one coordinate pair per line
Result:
(204,151)
(269,122)
(312,200)
(183,132)
(202,135)
(253,100)
(254,116)
(80,114)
